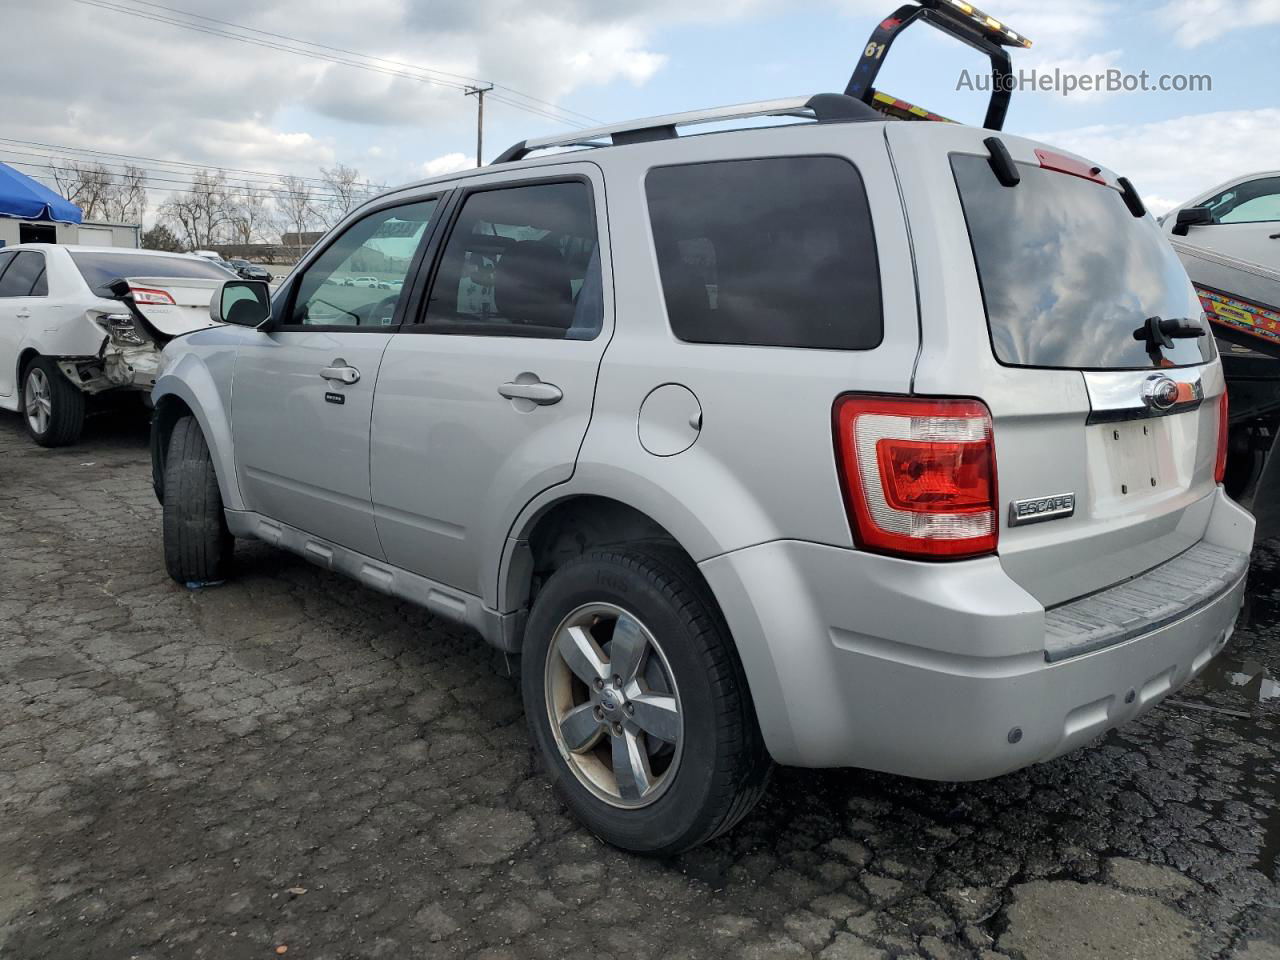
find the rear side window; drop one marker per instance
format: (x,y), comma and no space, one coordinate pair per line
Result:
(100,268)
(1068,274)
(769,252)
(24,276)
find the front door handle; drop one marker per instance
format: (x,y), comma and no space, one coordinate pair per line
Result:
(1275,236)
(341,372)
(537,392)
(23,314)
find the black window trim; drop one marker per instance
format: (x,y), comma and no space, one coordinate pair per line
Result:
(875,251)
(287,298)
(44,268)
(419,323)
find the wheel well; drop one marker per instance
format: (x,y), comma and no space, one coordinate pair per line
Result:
(570,528)
(167,412)
(24,359)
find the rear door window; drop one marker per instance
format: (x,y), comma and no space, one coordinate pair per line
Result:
(777,251)
(1068,274)
(521,261)
(24,276)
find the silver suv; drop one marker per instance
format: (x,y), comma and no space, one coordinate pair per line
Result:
(848,442)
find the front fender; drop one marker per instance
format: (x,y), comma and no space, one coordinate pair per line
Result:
(188,378)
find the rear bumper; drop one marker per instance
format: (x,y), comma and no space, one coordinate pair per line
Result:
(939,671)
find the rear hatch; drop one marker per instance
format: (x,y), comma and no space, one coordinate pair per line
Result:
(1036,298)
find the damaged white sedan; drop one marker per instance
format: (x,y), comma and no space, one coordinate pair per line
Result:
(77,322)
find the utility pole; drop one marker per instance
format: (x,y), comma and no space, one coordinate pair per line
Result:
(479,93)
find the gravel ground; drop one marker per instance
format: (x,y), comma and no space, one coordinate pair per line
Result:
(291,761)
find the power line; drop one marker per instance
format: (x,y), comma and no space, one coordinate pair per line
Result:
(368,56)
(116,7)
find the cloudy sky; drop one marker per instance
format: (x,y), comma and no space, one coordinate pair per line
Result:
(117,76)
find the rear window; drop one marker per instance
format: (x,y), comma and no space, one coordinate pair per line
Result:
(769,252)
(1068,274)
(100,268)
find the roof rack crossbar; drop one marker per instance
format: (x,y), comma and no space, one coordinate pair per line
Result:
(664,128)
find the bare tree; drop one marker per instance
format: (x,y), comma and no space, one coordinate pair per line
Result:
(348,190)
(127,200)
(250,215)
(87,185)
(296,205)
(202,216)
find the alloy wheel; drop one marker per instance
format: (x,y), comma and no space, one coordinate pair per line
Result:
(38,400)
(613,705)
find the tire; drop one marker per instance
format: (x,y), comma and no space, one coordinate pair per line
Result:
(198,546)
(709,774)
(52,406)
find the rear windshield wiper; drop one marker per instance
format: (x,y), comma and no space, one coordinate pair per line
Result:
(1161,333)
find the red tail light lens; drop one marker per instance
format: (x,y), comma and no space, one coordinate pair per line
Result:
(919,475)
(1220,468)
(147,295)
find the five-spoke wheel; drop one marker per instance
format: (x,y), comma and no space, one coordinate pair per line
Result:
(637,701)
(613,705)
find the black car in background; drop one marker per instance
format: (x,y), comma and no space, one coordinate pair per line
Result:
(250,271)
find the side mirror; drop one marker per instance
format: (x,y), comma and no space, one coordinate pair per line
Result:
(246,303)
(1191,217)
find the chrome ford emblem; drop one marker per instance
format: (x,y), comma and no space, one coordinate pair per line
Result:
(1159,392)
(1037,509)
(608,703)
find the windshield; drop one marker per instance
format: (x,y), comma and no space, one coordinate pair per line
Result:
(1068,274)
(100,268)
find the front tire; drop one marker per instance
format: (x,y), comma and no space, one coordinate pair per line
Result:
(637,702)
(198,547)
(52,406)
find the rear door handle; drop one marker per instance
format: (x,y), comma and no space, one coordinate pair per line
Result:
(23,314)
(341,372)
(1275,236)
(538,392)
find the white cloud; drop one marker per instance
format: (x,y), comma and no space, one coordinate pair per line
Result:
(1171,161)
(1196,22)
(449,163)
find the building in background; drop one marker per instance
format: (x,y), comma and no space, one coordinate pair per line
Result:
(32,213)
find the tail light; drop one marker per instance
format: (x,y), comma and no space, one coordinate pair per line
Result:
(119,327)
(1220,467)
(148,295)
(919,475)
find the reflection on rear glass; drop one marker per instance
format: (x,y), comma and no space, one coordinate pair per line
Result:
(100,268)
(1068,274)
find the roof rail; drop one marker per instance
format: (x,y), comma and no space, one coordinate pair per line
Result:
(823,107)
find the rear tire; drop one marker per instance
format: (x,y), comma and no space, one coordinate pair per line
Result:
(648,783)
(198,547)
(52,406)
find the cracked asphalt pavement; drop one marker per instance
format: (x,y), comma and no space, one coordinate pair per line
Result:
(292,763)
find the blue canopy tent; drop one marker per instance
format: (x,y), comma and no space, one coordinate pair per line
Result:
(23,198)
